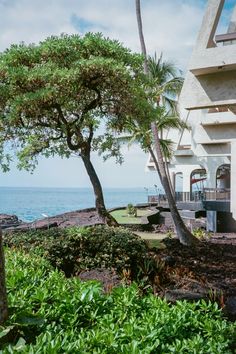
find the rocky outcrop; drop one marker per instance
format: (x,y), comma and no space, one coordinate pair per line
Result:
(85,217)
(7,221)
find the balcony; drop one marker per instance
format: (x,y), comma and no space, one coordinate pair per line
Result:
(216,194)
(214,117)
(216,199)
(183,150)
(226,39)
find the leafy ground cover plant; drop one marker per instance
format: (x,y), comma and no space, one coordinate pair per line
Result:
(52,314)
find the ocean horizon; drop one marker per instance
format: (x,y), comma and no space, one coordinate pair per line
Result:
(32,203)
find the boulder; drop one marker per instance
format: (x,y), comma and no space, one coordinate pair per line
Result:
(230,308)
(7,221)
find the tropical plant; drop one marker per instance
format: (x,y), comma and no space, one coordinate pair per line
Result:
(157,89)
(55,96)
(131,210)
(3,293)
(59,315)
(75,249)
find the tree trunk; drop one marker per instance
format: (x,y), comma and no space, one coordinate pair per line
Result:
(99,199)
(184,235)
(3,292)
(168,176)
(141,37)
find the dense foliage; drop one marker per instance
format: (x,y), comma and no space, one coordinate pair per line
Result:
(66,96)
(75,249)
(52,314)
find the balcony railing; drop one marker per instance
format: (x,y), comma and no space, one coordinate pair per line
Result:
(227,38)
(197,196)
(179,197)
(216,194)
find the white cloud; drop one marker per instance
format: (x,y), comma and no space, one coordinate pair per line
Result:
(170,27)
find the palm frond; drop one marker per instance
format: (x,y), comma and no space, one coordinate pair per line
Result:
(167,147)
(171,122)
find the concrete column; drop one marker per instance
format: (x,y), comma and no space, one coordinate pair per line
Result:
(212,221)
(211,175)
(233,180)
(186,181)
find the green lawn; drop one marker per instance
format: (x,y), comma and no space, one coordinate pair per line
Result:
(122,217)
(153,239)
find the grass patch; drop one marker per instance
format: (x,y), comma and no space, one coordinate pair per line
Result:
(122,217)
(150,235)
(155,243)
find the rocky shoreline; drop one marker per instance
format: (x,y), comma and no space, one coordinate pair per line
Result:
(79,217)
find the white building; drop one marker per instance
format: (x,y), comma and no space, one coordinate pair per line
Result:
(205,157)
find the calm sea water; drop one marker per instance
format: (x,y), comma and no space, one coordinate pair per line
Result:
(30,203)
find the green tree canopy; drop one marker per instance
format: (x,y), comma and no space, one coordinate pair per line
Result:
(54,96)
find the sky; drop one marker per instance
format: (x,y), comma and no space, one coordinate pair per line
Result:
(170,26)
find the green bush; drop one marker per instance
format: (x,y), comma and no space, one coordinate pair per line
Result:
(52,314)
(131,210)
(76,249)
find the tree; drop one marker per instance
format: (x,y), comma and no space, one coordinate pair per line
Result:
(183,233)
(164,84)
(3,293)
(55,96)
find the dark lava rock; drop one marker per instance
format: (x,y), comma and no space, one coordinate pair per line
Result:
(9,221)
(179,294)
(107,277)
(169,261)
(84,217)
(230,308)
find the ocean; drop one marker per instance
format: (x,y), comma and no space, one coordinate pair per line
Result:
(30,204)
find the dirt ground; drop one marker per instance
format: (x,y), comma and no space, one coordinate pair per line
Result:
(212,262)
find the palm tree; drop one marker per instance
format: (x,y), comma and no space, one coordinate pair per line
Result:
(164,84)
(161,88)
(3,293)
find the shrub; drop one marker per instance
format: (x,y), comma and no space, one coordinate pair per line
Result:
(201,234)
(131,210)
(52,314)
(76,249)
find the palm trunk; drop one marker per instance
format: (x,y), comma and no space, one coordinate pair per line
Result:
(184,235)
(168,176)
(158,170)
(153,156)
(141,37)
(3,292)
(99,198)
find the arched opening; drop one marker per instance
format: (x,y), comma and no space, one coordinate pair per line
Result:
(223,177)
(197,183)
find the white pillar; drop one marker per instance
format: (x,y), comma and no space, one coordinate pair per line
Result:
(233,180)
(211,175)
(186,181)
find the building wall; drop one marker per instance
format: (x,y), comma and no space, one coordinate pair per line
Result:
(208,99)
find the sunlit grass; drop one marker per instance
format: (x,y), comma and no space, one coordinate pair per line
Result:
(122,217)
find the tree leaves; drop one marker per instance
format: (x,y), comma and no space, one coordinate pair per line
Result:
(56,93)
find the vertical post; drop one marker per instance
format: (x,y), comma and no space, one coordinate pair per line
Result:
(233,180)
(211,221)
(3,292)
